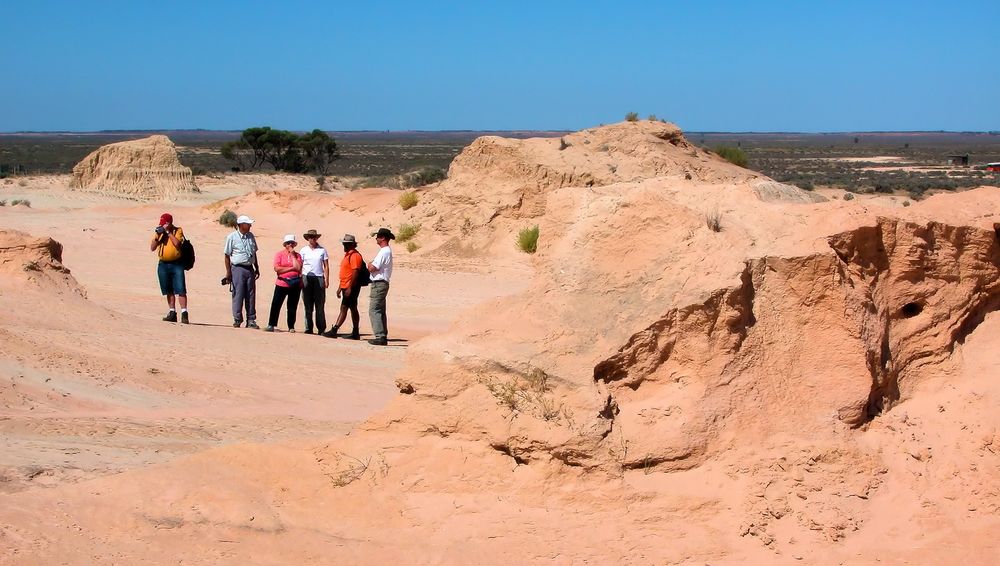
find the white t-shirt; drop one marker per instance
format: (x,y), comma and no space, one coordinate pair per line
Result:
(383,262)
(312,260)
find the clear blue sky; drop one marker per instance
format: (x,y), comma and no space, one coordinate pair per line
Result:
(719,65)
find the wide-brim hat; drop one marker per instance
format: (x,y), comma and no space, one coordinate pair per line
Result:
(244,219)
(349,239)
(289,238)
(311,234)
(385,233)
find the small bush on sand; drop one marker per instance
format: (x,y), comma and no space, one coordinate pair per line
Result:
(23,202)
(408,200)
(22,183)
(228,218)
(714,221)
(848,196)
(734,155)
(407,232)
(424,176)
(321,183)
(906,203)
(412,246)
(632,117)
(3,203)
(527,239)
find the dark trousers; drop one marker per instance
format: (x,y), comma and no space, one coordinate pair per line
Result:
(314,297)
(279,298)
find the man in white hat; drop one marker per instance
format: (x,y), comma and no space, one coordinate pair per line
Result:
(242,271)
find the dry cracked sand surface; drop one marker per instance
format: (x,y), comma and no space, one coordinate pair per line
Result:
(815,383)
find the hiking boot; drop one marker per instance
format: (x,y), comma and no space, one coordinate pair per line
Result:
(268,328)
(309,330)
(237,323)
(354,335)
(171,317)
(332,333)
(379,342)
(184,318)
(253,324)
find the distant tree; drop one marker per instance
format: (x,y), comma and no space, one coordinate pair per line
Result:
(319,151)
(632,117)
(282,150)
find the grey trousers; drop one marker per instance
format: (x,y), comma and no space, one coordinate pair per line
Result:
(376,308)
(244,291)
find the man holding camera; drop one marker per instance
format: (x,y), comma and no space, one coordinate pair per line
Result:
(167,240)
(242,271)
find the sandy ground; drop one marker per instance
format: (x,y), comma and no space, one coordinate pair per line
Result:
(103,385)
(807,380)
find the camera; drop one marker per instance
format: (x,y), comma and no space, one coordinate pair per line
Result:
(225,281)
(160,230)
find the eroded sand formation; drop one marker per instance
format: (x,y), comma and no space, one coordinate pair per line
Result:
(816,381)
(145,169)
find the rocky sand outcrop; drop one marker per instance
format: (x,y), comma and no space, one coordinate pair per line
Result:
(147,169)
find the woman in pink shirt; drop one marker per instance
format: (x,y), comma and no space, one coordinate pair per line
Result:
(288,266)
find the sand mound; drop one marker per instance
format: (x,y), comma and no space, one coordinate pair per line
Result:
(33,263)
(497,186)
(146,169)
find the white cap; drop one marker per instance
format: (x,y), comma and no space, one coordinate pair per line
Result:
(244,219)
(288,238)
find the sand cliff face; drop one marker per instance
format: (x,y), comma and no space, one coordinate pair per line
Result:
(29,263)
(145,169)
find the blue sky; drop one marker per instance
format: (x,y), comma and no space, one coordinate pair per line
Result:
(721,66)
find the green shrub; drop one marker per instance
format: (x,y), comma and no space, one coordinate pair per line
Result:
(228,218)
(412,246)
(425,176)
(408,200)
(21,201)
(527,239)
(734,155)
(652,118)
(407,232)
(632,117)
(321,183)
(848,196)
(906,203)
(3,203)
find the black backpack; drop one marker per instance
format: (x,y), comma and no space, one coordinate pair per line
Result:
(364,277)
(187,255)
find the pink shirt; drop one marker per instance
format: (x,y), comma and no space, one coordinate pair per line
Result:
(282,259)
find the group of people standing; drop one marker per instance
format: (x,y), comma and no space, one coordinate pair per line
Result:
(300,273)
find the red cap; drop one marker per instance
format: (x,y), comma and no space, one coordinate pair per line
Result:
(165,218)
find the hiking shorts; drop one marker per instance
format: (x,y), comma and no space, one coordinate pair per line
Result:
(171,275)
(352,301)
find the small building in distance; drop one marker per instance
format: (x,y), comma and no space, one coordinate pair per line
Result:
(959,160)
